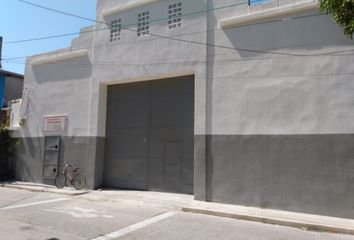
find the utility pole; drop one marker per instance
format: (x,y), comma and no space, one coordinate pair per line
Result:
(0,51)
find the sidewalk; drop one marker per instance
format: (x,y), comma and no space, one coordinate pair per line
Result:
(37,187)
(143,199)
(291,219)
(162,200)
(172,201)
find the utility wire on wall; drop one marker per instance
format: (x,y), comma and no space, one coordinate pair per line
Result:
(165,37)
(107,28)
(165,61)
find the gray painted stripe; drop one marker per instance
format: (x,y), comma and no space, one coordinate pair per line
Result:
(298,173)
(137,226)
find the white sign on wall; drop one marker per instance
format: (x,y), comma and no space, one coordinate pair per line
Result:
(54,124)
(15,114)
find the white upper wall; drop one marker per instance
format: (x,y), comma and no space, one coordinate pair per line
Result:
(162,53)
(244,84)
(285,83)
(126,6)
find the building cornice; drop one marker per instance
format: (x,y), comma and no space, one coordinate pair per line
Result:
(267,14)
(56,57)
(10,74)
(127,6)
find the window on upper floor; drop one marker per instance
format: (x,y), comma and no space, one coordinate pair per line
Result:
(143,24)
(257,2)
(277,3)
(175,15)
(116,27)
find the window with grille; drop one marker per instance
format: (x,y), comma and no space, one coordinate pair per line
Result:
(116,27)
(175,16)
(143,24)
(257,2)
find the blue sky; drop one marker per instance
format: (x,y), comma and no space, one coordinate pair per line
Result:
(21,21)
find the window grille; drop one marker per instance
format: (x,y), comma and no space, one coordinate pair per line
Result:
(143,24)
(116,27)
(256,2)
(175,16)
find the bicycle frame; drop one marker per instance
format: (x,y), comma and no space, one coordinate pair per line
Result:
(69,173)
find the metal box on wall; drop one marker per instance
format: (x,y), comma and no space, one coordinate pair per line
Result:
(51,156)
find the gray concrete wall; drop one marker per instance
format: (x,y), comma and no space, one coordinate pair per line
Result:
(151,57)
(300,173)
(269,97)
(78,87)
(82,152)
(59,88)
(279,125)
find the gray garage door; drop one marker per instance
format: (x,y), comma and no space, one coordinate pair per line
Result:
(150,139)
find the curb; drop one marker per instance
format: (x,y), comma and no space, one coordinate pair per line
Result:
(305,225)
(44,189)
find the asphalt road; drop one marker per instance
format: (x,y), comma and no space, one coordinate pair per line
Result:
(27,215)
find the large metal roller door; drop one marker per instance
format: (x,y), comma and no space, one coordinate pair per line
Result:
(150,139)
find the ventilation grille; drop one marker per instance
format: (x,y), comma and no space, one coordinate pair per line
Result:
(175,16)
(116,27)
(143,24)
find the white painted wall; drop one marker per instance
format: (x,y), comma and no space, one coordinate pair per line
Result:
(263,93)
(149,57)
(58,87)
(245,93)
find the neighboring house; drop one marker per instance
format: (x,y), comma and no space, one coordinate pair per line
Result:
(11,86)
(236,102)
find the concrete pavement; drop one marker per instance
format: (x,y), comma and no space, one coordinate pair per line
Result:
(284,218)
(37,187)
(160,203)
(46,216)
(186,226)
(28,215)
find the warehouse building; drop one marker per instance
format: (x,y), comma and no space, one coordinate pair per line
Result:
(234,101)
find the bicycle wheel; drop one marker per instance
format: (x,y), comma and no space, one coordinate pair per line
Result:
(60,180)
(79,182)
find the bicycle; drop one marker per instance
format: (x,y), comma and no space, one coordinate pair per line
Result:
(73,175)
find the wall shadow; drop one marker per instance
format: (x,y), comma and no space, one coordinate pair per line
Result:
(62,71)
(308,31)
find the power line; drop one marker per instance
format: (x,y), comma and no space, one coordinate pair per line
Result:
(115,43)
(133,24)
(165,37)
(56,10)
(165,61)
(104,46)
(95,21)
(103,64)
(42,38)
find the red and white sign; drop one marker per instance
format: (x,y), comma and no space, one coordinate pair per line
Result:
(54,124)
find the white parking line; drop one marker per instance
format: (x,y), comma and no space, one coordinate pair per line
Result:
(33,203)
(134,227)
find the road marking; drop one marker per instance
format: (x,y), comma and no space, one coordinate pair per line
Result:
(134,227)
(78,212)
(34,203)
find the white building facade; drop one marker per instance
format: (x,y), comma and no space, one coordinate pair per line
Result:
(234,101)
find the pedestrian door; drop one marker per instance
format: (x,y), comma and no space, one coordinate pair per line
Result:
(149,135)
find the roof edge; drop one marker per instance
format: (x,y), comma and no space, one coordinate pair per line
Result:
(12,74)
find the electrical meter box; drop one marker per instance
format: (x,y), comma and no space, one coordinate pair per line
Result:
(51,156)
